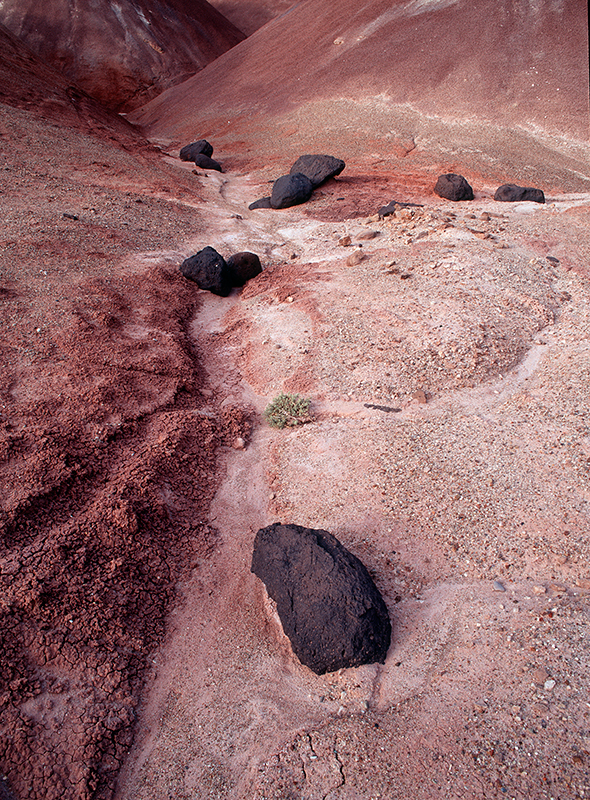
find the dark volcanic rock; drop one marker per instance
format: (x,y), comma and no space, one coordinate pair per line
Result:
(290,190)
(453,187)
(318,168)
(510,193)
(201,147)
(329,606)
(264,202)
(242,267)
(209,271)
(205,162)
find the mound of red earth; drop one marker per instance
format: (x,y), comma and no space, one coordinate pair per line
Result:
(122,54)
(399,84)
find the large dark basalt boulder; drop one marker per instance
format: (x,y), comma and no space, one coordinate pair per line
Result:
(190,151)
(510,193)
(453,187)
(328,604)
(243,267)
(318,168)
(209,271)
(291,190)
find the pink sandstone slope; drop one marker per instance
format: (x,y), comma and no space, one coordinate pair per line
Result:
(485,74)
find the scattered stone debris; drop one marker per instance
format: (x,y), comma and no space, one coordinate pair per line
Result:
(510,193)
(190,151)
(327,602)
(210,271)
(453,187)
(318,168)
(390,208)
(355,258)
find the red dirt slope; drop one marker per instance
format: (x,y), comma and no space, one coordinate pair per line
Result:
(124,53)
(107,434)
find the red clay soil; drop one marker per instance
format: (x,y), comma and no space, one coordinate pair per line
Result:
(108,435)
(122,54)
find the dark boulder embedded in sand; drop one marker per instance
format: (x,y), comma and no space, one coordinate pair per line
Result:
(264,202)
(243,267)
(453,187)
(327,602)
(291,190)
(201,147)
(209,271)
(510,193)
(318,168)
(205,162)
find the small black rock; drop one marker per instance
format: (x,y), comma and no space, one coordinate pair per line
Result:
(453,187)
(291,190)
(189,151)
(264,202)
(318,168)
(510,193)
(205,162)
(243,267)
(328,604)
(209,271)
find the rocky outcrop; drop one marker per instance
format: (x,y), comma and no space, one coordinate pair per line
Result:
(453,187)
(510,193)
(327,602)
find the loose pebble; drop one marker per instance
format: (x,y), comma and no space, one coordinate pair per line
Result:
(498,586)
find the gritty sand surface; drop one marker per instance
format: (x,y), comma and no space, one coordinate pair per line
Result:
(139,650)
(470,510)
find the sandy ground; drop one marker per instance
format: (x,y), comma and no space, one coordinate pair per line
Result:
(470,509)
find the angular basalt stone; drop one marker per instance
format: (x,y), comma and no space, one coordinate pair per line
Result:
(510,193)
(327,602)
(190,151)
(205,162)
(264,202)
(453,187)
(291,190)
(209,271)
(318,168)
(243,267)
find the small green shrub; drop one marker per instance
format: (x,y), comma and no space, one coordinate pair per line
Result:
(288,410)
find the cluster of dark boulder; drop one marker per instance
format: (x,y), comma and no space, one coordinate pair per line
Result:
(328,604)
(306,174)
(210,271)
(454,187)
(200,153)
